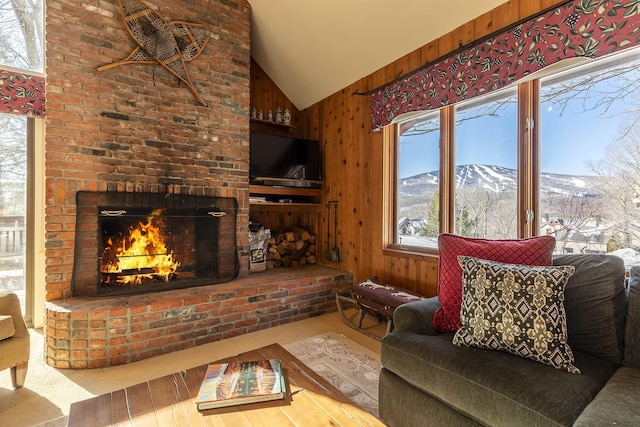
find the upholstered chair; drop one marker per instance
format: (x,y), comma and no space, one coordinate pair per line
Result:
(14,338)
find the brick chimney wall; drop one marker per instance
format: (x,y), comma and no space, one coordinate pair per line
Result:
(136,127)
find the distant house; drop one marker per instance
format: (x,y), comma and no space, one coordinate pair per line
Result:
(592,239)
(409,227)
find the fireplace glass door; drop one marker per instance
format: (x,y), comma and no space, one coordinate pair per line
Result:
(146,242)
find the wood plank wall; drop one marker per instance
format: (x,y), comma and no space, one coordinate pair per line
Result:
(266,95)
(354,155)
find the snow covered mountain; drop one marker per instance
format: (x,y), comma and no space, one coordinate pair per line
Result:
(496,178)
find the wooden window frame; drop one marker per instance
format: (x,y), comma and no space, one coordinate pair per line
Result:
(528,173)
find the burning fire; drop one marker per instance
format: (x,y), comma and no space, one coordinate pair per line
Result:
(141,255)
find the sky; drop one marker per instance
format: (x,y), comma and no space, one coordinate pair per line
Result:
(570,140)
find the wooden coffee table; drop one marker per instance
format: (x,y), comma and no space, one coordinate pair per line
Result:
(168,401)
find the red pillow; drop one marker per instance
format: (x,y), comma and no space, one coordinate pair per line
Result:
(532,251)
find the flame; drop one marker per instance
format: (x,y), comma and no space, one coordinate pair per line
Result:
(143,251)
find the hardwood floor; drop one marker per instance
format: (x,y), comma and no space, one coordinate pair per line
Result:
(168,401)
(52,391)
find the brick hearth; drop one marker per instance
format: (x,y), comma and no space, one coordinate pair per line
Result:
(94,333)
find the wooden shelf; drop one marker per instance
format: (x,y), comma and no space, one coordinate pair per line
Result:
(310,198)
(286,207)
(270,190)
(272,123)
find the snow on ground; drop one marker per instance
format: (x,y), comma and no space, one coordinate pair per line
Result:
(630,256)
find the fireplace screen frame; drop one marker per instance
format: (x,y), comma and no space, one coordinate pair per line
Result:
(213,220)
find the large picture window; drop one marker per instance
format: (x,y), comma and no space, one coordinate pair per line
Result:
(418,166)
(22,58)
(590,157)
(485,167)
(580,163)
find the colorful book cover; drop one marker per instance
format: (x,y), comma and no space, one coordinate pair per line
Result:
(237,383)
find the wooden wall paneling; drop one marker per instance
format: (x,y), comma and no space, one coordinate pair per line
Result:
(446,44)
(483,25)
(464,34)
(414,269)
(373,225)
(266,95)
(339,165)
(415,59)
(529,7)
(308,124)
(348,176)
(505,14)
(362,185)
(349,208)
(402,65)
(258,90)
(336,160)
(370,226)
(428,280)
(430,52)
(545,4)
(329,157)
(389,72)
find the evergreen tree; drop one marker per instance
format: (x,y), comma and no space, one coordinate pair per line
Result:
(430,226)
(464,225)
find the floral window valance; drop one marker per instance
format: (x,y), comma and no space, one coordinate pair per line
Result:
(22,94)
(579,28)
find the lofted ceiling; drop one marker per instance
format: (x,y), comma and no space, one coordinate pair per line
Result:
(314,48)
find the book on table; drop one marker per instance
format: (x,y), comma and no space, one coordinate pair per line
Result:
(237,383)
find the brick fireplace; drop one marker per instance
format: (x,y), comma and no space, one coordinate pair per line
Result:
(137,129)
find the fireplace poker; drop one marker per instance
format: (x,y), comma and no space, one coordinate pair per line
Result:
(335,251)
(328,252)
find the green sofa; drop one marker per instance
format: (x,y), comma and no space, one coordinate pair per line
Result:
(428,381)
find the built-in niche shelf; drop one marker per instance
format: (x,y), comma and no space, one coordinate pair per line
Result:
(294,198)
(285,207)
(304,210)
(286,204)
(272,124)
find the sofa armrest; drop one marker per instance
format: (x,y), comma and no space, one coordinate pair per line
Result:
(10,306)
(632,328)
(417,316)
(618,403)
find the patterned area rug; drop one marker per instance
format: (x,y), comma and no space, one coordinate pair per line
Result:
(350,367)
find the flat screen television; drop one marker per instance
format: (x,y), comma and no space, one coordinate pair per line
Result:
(286,161)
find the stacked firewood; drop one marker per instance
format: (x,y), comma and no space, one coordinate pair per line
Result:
(291,249)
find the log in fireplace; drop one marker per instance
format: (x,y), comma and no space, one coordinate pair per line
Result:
(147,242)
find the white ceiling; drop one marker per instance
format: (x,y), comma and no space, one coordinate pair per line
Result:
(314,48)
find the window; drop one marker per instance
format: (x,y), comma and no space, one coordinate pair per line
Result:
(21,47)
(590,156)
(576,175)
(13,175)
(418,166)
(486,173)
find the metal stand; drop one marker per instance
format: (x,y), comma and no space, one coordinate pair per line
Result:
(363,311)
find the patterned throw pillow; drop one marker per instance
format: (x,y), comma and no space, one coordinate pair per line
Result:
(532,251)
(516,308)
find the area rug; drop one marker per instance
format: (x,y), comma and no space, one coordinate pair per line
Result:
(350,367)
